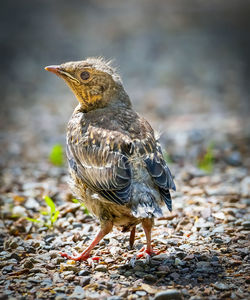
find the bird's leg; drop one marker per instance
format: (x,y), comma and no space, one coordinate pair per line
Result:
(132,238)
(147,225)
(105,229)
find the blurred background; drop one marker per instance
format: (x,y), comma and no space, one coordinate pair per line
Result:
(185,65)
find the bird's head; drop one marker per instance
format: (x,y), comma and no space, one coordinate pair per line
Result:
(93,81)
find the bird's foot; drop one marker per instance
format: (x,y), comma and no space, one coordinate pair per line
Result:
(145,253)
(82,256)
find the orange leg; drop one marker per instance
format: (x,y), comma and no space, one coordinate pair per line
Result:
(86,253)
(132,238)
(147,225)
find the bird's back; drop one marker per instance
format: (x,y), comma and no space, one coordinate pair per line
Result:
(114,153)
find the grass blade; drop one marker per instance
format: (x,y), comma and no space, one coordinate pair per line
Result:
(32,220)
(50,203)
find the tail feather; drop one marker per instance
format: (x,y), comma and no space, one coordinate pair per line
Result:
(167,198)
(146,207)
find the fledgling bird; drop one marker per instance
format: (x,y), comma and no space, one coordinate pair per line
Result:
(115,161)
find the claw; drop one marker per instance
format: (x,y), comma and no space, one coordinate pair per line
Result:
(97,258)
(75,257)
(145,253)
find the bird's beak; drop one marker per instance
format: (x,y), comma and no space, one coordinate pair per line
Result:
(59,71)
(54,69)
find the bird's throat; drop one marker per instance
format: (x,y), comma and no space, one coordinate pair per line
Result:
(89,101)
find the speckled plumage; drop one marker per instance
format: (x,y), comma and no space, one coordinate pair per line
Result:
(116,165)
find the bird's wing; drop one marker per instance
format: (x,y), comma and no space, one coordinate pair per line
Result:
(100,159)
(160,173)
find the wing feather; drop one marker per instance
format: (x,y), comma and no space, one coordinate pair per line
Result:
(105,171)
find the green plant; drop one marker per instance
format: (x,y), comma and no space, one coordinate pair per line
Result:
(56,156)
(33,220)
(53,212)
(206,162)
(50,216)
(82,205)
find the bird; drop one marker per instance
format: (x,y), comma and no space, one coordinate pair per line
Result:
(116,164)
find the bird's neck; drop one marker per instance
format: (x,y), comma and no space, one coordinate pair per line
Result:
(110,99)
(120,99)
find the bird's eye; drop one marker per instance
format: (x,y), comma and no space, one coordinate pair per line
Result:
(85,75)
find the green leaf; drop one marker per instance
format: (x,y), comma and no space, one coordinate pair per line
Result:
(56,156)
(206,163)
(85,209)
(50,203)
(15,216)
(82,205)
(32,220)
(54,217)
(75,200)
(44,213)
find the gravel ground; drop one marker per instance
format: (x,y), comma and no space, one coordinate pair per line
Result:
(203,246)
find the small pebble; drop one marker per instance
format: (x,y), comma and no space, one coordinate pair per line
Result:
(246,225)
(177,261)
(141,293)
(101,268)
(19,211)
(28,264)
(164,268)
(14,245)
(85,280)
(65,267)
(170,294)
(150,278)
(175,276)
(221,286)
(41,229)
(234,159)
(218,241)
(85,273)
(7,269)
(78,293)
